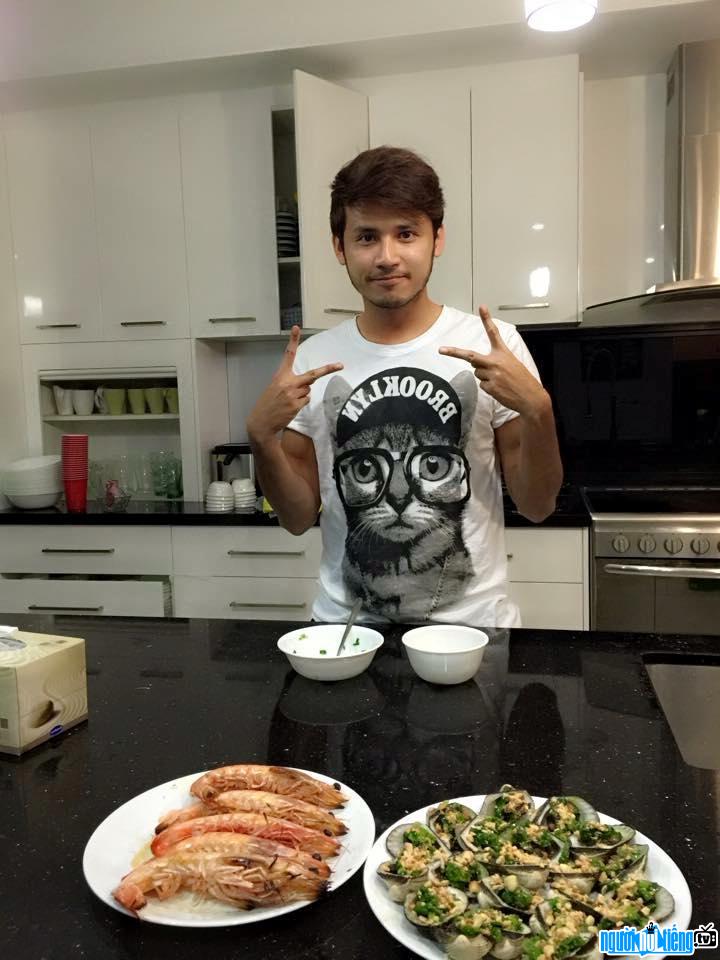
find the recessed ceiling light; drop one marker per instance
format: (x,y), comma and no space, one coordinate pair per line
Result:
(555,15)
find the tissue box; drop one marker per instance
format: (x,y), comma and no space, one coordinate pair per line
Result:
(43,688)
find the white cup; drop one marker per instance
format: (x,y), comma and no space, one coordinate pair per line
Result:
(83,402)
(47,401)
(63,400)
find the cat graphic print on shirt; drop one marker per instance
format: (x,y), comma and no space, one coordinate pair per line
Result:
(403,479)
(411,519)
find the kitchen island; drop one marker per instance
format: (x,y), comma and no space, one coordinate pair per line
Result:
(550,711)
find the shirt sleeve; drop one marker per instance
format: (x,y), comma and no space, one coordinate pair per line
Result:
(514,342)
(304,421)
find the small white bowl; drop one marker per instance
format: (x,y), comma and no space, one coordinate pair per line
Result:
(219,488)
(303,649)
(445,654)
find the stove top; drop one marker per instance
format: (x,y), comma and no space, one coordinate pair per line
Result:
(675,523)
(673,501)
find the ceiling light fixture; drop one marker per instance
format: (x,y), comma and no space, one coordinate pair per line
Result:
(555,15)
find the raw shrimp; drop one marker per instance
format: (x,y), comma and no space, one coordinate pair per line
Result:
(239,870)
(255,776)
(256,824)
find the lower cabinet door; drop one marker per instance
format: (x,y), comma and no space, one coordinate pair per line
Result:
(549,606)
(244,598)
(98,598)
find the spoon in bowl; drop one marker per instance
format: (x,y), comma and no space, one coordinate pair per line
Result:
(351,620)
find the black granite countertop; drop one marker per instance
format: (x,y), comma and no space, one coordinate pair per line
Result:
(570,512)
(556,712)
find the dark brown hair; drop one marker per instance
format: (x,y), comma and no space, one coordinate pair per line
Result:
(390,176)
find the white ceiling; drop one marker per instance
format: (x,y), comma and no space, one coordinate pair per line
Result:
(95,49)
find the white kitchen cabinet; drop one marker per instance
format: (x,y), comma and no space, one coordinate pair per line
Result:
(96,598)
(105,550)
(548,576)
(244,598)
(525,182)
(246,552)
(430,114)
(227,174)
(331,127)
(138,200)
(52,211)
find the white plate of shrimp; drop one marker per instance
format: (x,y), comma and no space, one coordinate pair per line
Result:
(250,842)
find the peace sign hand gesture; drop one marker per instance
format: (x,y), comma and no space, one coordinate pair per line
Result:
(286,394)
(501,374)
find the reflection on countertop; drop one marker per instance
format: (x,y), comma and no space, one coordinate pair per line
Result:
(551,711)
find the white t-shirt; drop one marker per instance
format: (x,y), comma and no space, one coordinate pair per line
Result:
(412,513)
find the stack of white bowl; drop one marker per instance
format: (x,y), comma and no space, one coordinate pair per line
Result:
(33,482)
(219,497)
(244,494)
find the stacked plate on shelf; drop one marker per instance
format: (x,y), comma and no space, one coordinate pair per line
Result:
(244,494)
(286,225)
(33,482)
(219,497)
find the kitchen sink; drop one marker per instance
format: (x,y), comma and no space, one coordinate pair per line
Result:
(687,687)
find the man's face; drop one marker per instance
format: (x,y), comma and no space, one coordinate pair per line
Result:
(388,255)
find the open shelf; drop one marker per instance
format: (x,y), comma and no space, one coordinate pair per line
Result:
(108,417)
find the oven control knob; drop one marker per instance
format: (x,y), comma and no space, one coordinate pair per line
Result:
(647,544)
(700,545)
(673,544)
(620,544)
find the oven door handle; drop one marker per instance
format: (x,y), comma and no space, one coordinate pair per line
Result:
(644,570)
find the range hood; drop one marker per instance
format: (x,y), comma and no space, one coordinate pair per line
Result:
(691,290)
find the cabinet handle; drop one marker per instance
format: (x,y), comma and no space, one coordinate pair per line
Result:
(341,310)
(236,605)
(37,606)
(266,553)
(143,323)
(56,326)
(83,550)
(232,319)
(523,306)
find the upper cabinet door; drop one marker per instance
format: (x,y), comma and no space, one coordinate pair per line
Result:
(53,225)
(331,127)
(525,172)
(138,197)
(227,171)
(431,115)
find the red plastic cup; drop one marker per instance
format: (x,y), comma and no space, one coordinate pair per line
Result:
(75,494)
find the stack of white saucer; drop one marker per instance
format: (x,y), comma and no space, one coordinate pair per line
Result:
(219,497)
(244,494)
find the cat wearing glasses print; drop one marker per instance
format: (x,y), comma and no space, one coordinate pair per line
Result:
(401,473)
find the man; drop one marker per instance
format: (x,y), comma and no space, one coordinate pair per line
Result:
(403,449)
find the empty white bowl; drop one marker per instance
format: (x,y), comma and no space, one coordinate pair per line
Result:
(311,651)
(219,488)
(443,653)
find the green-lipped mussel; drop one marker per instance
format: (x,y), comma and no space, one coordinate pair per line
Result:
(565,814)
(509,805)
(433,904)
(445,819)
(595,837)
(483,930)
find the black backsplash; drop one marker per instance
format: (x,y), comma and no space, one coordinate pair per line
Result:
(634,403)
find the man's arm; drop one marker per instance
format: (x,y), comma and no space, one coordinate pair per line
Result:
(530,461)
(285,459)
(287,470)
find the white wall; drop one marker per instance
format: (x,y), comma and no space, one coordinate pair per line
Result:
(13,434)
(623,190)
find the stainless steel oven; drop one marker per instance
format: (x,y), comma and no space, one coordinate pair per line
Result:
(656,559)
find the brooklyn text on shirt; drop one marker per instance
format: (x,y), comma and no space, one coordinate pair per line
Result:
(397,386)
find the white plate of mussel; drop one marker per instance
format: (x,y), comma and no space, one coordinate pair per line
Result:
(511,876)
